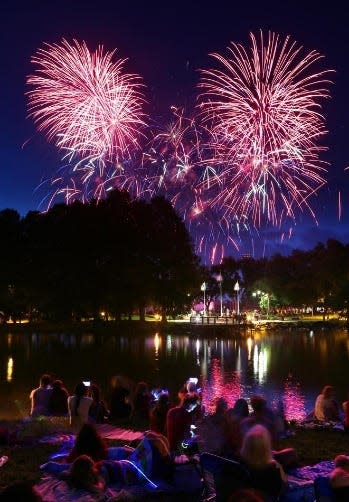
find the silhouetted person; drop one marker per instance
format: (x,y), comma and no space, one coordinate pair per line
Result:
(119,405)
(40,397)
(58,402)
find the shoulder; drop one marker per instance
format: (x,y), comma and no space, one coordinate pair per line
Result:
(33,392)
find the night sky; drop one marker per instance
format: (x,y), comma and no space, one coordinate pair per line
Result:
(166,43)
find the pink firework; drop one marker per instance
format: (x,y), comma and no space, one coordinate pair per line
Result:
(263,110)
(84,102)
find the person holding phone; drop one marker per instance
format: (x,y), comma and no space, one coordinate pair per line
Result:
(179,420)
(78,405)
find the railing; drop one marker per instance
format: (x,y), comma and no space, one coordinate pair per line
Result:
(214,320)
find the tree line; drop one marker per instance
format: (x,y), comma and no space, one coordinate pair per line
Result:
(74,261)
(121,255)
(319,276)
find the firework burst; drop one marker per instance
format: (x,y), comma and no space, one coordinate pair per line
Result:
(264,113)
(84,102)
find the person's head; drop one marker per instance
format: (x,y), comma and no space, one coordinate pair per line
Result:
(95,392)
(240,408)
(80,390)
(182,393)
(221,406)
(83,472)
(256,447)
(21,491)
(190,402)
(45,380)
(164,400)
(191,386)
(57,384)
(88,441)
(342,461)
(327,391)
(258,404)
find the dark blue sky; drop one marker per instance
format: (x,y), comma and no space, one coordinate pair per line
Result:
(167,42)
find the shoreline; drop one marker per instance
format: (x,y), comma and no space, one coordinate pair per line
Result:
(136,327)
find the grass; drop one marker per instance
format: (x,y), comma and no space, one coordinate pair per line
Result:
(23,463)
(313,446)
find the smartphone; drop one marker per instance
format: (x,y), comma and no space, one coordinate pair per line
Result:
(155,393)
(87,383)
(193,380)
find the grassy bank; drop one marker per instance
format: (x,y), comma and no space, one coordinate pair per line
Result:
(312,447)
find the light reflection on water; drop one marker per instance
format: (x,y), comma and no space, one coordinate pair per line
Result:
(290,366)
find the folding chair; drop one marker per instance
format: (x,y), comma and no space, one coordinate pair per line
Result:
(228,476)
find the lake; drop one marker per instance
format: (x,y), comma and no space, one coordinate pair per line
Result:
(287,364)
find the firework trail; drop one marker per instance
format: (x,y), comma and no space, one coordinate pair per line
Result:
(264,114)
(87,106)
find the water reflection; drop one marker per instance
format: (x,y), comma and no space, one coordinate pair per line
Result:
(9,372)
(169,344)
(293,399)
(231,368)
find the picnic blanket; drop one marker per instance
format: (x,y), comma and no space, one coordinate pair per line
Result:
(301,481)
(107,431)
(52,489)
(111,432)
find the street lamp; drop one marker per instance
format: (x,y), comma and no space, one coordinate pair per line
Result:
(263,297)
(220,280)
(203,288)
(237,289)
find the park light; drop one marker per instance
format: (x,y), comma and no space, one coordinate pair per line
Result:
(264,297)
(203,288)
(237,289)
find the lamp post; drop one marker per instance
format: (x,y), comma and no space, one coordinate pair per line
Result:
(220,280)
(203,288)
(237,289)
(263,297)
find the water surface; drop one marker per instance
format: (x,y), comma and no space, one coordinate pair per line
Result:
(289,365)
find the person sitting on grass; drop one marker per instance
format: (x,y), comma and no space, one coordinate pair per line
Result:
(98,412)
(216,433)
(79,405)
(119,405)
(264,416)
(339,478)
(58,402)
(326,407)
(179,420)
(159,413)
(267,475)
(40,397)
(141,405)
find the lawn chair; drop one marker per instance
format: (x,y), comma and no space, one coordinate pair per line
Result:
(225,475)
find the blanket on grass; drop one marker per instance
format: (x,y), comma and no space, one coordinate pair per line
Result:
(52,489)
(107,431)
(301,481)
